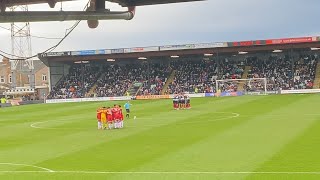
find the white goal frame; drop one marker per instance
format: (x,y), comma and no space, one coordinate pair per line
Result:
(246,80)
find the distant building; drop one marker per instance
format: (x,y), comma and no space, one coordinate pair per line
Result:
(22,75)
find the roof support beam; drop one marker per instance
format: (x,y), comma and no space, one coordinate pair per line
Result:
(38,16)
(52,3)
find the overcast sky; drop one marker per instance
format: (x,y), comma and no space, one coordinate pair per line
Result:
(208,21)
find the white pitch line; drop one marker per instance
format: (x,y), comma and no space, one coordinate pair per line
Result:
(164,172)
(278,115)
(235,115)
(34,125)
(27,165)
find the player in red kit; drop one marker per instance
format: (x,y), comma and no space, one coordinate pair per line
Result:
(188,102)
(113,110)
(121,117)
(109,117)
(116,116)
(176,102)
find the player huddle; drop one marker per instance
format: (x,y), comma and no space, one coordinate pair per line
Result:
(181,102)
(109,118)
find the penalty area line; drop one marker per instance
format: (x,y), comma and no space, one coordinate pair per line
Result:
(159,172)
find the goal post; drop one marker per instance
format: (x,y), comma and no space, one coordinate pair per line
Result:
(251,86)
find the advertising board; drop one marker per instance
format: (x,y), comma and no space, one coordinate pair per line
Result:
(177,47)
(153,97)
(121,98)
(300,91)
(289,40)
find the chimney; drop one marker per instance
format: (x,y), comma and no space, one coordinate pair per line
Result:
(5,61)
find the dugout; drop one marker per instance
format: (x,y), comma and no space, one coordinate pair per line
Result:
(59,63)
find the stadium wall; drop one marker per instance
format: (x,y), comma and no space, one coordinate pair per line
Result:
(56,72)
(300,91)
(122,98)
(5,105)
(200,95)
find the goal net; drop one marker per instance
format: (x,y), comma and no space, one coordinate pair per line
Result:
(252,86)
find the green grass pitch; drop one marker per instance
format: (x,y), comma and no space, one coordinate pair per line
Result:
(250,137)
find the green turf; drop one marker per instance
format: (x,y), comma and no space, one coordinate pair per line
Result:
(250,137)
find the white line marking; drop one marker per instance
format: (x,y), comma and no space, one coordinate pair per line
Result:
(27,165)
(34,125)
(161,172)
(235,115)
(278,115)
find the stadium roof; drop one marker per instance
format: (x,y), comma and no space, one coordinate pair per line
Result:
(94,11)
(124,3)
(254,46)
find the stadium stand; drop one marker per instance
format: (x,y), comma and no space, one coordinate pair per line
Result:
(316,83)
(193,77)
(157,78)
(117,79)
(71,86)
(281,74)
(189,75)
(148,78)
(277,70)
(305,71)
(231,69)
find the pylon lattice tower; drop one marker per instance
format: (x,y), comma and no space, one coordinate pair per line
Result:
(21,48)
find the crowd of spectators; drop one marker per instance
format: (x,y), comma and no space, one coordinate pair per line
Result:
(76,84)
(118,79)
(158,75)
(230,69)
(192,76)
(281,73)
(277,70)
(305,70)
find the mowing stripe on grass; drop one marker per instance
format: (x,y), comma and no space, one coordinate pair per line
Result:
(234,115)
(160,172)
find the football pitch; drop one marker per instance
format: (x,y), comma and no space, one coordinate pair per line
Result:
(249,137)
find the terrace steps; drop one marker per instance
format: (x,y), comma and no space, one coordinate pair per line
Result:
(316,84)
(93,88)
(134,89)
(244,76)
(168,82)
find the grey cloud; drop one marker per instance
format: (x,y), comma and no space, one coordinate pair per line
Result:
(210,21)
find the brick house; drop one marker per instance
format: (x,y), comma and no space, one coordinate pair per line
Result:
(22,76)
